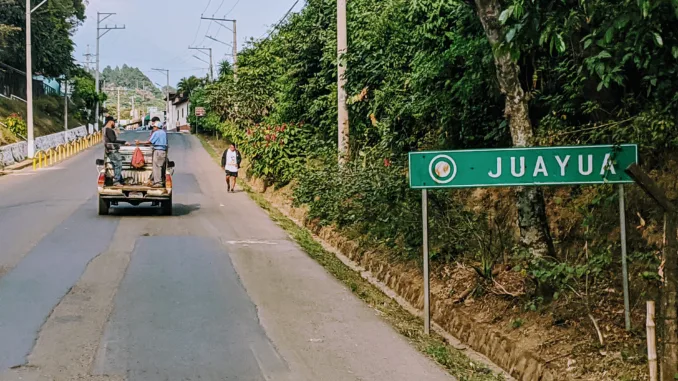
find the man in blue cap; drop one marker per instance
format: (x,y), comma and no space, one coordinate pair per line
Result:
(159,142)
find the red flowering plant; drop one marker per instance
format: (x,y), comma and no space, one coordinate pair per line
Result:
(275,151)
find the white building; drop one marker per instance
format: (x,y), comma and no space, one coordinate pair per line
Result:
(180,111)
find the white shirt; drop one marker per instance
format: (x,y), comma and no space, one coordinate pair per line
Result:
(231,161)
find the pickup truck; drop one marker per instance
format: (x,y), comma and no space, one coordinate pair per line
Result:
(137,188)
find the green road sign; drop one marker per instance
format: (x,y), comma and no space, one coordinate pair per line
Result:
(522,166)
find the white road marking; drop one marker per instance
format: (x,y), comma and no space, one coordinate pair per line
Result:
(251,242)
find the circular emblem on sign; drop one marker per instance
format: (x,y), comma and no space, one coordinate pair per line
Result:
(442,169)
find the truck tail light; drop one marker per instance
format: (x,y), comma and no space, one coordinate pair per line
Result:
(168,181)
(102,180)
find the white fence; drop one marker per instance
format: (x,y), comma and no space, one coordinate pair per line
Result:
(18,152)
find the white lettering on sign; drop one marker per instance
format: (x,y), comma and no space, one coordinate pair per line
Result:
(522,167)
(581,165)
(562,164)
(496,175)
(607,165)
(540,167)
(518,167)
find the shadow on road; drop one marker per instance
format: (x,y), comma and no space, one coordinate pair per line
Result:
(124,210)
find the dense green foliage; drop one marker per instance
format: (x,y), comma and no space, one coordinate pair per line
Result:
(421,75)
(52,28)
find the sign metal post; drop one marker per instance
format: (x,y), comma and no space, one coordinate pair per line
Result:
(625,270)
(427,306)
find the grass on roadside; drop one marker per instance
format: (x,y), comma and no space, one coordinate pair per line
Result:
(434,346)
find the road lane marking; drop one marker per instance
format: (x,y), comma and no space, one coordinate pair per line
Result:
(251,242)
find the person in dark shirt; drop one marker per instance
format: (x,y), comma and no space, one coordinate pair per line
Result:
(112,147)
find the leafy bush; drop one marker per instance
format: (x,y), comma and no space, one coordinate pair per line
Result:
(276,152)
(17,125)
(371,198)
(50,105)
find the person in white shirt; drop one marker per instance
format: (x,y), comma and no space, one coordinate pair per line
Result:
(230,161)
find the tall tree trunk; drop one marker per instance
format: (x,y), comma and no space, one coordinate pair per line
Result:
(669,355)
(534,231)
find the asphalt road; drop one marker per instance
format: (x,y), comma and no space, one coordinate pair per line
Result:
(215,292)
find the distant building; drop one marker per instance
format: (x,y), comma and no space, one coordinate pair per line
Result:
(180,111)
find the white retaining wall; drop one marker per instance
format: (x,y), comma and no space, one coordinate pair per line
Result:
(17,152)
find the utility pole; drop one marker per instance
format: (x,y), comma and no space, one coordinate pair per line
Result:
(342,48)
(88,60)
(235,40)
(168,117)
(211,62)
(118,106)
(105,30)
(66,104)
(29,78)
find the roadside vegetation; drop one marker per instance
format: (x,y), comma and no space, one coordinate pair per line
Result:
(53,58)
(422,76)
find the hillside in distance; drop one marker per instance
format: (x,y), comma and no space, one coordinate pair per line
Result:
(136,85)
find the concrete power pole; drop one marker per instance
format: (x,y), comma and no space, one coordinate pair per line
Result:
(119,114)
(88,60)
(235,41)
(66,104)
(168,118)
(235,51)
(29,78)
(106,29)
(342,48)
(211,63)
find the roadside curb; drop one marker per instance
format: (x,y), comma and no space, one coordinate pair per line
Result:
(18,166)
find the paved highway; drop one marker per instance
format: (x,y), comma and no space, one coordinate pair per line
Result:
(215,292)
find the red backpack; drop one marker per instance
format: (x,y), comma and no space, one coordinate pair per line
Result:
(138,161)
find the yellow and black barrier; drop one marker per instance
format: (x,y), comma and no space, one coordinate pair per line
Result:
(63,151)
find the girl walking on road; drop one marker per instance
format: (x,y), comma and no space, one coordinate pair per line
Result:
(230,161)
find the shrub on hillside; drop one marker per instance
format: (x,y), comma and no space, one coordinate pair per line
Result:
(50,105)
(17,125)
(371,197)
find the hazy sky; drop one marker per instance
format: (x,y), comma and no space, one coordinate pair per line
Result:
(158,32)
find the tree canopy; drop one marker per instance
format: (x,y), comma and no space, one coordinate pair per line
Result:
(52,28)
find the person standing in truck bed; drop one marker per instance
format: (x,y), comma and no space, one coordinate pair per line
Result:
(159,142)
(112,147)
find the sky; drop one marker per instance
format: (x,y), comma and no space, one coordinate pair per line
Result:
(158,32)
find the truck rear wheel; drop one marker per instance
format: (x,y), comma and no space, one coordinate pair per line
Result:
(104,206)
(166,207)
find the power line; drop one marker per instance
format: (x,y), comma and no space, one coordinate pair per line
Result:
(200,23)
(281,20)
(232,8)
(220,5)
(208,5)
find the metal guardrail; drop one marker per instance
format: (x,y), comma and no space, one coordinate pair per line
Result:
(44,158)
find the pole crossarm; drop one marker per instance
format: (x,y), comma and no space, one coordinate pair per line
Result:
(38,6)
(223,25)
(219,41)
(216,19)
(201,50)
(200,59)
